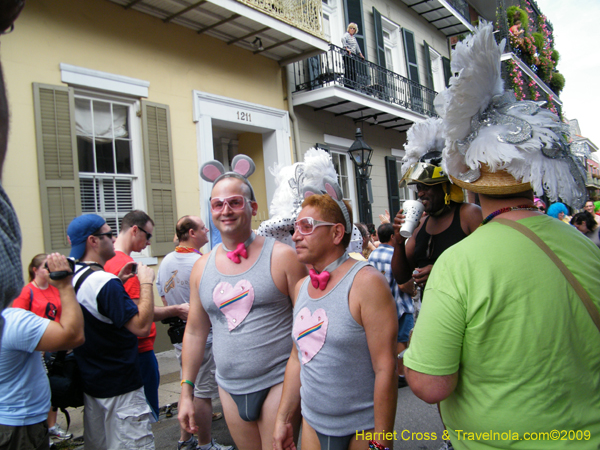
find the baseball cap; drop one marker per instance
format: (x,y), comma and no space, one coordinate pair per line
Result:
(78,231)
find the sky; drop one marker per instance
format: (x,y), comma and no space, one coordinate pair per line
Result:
(576,37)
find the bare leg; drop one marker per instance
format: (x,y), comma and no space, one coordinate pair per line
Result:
(310,441)
(203,413)
(245,434)
(52,417)
(266,422)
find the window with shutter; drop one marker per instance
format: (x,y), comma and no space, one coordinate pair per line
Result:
(90,161)
(354,13)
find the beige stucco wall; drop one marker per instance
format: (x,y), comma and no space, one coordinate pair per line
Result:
(100,35)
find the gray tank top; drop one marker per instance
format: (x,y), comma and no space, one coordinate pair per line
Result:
(338,381)
(251,321)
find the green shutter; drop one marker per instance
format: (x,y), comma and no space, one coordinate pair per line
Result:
(410,52)
(379,38)
(354,13)
(57,163)
(447,70)
(160,182)
(392,185)
(428,71)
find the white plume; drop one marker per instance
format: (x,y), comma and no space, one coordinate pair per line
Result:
(477,61)
(317,166)
(421,138)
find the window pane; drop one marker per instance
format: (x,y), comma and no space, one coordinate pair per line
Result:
(85,152)
(121,120)
(343,166)
(123,149)
(102,120)
(83,117)
(104,156)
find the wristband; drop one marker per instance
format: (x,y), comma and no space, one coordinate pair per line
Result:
(188,382)
(374,445)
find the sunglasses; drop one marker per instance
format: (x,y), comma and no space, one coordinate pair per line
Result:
(235,203)
(108,233)
(148,235)
(307,225)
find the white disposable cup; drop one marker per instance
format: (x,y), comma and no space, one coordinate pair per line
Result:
(412,210)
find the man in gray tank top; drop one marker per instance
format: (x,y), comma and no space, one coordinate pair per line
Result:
(344,332)
(244,288)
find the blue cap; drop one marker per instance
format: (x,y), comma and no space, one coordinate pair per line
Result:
(78,231)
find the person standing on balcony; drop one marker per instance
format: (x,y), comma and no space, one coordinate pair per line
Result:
(351,65)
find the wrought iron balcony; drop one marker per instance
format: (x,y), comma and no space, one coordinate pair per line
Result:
(305,14)
(336,68)
(462,7)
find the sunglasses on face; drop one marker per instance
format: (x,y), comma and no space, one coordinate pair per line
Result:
(148,235)
(108,233)
(307,225)
(235,203)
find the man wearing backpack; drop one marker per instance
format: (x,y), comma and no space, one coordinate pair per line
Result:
(116,414)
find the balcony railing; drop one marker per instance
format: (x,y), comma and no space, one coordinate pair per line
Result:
(304,14)
(336,68)
(462,7)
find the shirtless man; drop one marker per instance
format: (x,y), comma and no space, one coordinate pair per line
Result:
(250,312)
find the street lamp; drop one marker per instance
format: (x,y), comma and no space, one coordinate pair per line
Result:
(360,153)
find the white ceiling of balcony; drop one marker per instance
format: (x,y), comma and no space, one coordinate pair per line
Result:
(360,107)
(441,15)
(237,24)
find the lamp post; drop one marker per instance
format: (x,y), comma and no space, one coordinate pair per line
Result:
(360,153)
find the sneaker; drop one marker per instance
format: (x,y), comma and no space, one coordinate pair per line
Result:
(402,382)
(190,444)
(57,433)
(216,446)
(217,416)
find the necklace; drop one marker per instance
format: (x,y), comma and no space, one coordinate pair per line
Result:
(320,280)
(182,249)
(508,209)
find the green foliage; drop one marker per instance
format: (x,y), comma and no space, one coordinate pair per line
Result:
(555,57)
(538,39)
(515,13)
(557,83)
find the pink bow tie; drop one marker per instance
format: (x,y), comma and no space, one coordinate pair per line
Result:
(240,250)
(319,280)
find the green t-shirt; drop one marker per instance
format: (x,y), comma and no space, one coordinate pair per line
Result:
(498,310)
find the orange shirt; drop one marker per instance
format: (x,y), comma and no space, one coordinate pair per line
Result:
(41,302)
(132,287)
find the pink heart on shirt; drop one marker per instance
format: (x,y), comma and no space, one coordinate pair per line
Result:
(234,301)
(310,331)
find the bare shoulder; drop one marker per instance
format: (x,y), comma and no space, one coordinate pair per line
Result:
(199,266)
(369,278)
(470,217)
(284,256)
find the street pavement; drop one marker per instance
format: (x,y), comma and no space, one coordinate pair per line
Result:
(415,426)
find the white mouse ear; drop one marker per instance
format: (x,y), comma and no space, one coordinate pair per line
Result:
(307,191)
(243,165)
(211,170)
(333,189)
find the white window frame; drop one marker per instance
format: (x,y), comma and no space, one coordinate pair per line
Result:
(410,194)
(394,46)
(341,145)
(437,70)
(336,23)
(137,161)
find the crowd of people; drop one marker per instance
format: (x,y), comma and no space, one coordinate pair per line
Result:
(305,340)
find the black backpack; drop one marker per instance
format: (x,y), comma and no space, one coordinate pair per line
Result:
(66,383)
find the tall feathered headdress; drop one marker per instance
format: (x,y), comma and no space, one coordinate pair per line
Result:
(496,145)
(421,138)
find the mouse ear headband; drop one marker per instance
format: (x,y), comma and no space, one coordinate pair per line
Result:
(242,167)
(332,188)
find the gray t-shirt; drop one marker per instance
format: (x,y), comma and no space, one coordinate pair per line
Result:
(334,358)
(173,281)
(252,324)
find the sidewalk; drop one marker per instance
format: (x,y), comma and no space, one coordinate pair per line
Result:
(166,430)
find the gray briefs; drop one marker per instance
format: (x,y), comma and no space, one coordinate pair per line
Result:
(250,405)
(334,442)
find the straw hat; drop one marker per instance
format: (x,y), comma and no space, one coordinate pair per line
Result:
(493,183)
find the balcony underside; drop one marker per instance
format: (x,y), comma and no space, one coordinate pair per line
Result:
(450,17)
(285,36)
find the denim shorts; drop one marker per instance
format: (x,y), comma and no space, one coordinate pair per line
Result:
(406,322)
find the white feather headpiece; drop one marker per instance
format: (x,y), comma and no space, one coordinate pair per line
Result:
(488,131)
(421,138)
